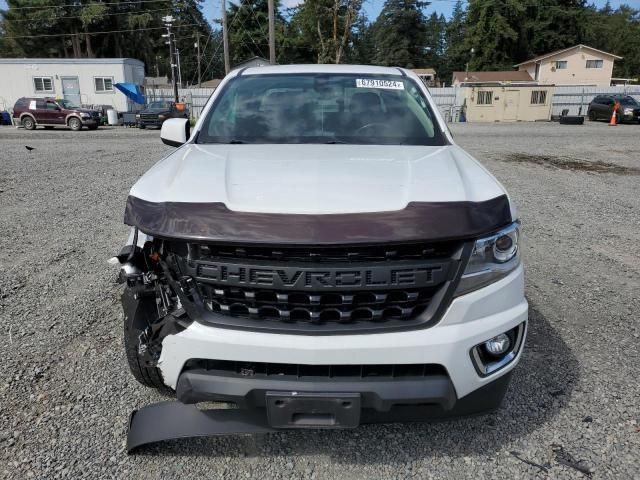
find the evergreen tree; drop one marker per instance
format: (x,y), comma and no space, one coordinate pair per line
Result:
(399,34)
(493,31)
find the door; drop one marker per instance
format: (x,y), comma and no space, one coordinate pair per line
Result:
(51,114)
(511,98)
(71,89)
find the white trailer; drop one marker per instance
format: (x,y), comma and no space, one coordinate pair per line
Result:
(84,81)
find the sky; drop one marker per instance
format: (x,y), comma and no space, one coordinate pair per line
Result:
(372,7)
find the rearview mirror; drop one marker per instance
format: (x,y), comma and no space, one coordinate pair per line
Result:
(175,131)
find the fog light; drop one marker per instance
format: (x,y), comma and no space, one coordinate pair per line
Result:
(498,345)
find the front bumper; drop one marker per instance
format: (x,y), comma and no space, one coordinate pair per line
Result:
(89,122)
(470,319)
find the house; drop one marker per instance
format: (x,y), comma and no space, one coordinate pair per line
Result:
(513,76)
(578,65)
(252,62)
(507,102)
(84,81)
(427,75)
(211,83)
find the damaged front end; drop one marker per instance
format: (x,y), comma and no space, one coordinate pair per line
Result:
(153,303)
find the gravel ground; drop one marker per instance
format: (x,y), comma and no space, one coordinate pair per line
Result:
(66,393)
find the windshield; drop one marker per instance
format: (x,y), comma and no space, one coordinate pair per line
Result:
(321,108)
(159,105)
(67,104)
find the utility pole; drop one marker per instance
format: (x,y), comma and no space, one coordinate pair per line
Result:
(197,45)
(225,37)
(168,21)
(272,34)
(179,66)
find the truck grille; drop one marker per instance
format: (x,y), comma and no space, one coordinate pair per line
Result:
(321,289)
(149,116)
(318,307)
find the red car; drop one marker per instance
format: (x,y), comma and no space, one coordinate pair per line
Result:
(51,112)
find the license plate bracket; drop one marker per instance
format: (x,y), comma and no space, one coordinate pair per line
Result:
(313,410)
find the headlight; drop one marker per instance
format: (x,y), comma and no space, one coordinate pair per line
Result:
(137,116)
(493,258)
(162,117)
(85,115)
(628,111)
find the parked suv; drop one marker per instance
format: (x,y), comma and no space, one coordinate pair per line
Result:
(50,112)
(321,253)
(156,113)
(601,108)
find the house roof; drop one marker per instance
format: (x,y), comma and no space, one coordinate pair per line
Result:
(494,76)
(558,52)
(424,71)
(211,83)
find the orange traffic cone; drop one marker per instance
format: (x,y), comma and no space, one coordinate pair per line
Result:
(614,115)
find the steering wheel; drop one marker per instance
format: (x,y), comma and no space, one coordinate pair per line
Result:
(369,126)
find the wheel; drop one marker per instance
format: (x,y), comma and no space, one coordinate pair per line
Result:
(48,127)
(592,115)
(28,123)
(142,127)
(138,314)
(75,124)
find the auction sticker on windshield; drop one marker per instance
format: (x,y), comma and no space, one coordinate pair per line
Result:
(376,83)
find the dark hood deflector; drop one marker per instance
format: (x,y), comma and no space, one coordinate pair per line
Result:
(419,221)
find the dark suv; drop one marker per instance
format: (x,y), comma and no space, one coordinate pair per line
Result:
(157,112)
(51,112)
(601,107)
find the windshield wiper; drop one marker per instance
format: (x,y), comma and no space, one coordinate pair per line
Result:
(235,142)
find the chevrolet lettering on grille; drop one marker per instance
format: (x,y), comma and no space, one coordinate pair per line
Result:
(410,275)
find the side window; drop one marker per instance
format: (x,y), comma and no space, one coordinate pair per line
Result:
(485,98)
(51,106)
(103,84)
(538,97)
(40,105)
(43,84)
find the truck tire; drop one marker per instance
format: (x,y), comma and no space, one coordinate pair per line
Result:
(75,124)
(593,116)
(28,123)
(136,318)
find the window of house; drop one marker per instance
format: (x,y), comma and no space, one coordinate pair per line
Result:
(538,97)
(561,65)
(104,84)
(485,98)
(43,84)
(594,63)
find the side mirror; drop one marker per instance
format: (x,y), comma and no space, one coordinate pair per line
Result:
(175,131)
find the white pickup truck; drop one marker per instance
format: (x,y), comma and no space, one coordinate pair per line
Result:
(319,252)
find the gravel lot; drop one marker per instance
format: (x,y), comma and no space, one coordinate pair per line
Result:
(66,392)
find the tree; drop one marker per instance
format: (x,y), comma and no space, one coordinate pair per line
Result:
(494,29)
(326,26)
(456,48)
(74,28)
(399,34)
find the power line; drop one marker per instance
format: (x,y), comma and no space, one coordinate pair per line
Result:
(101,33)
(84,5)
(135,12)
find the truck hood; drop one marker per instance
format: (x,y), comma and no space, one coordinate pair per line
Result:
(316,179)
